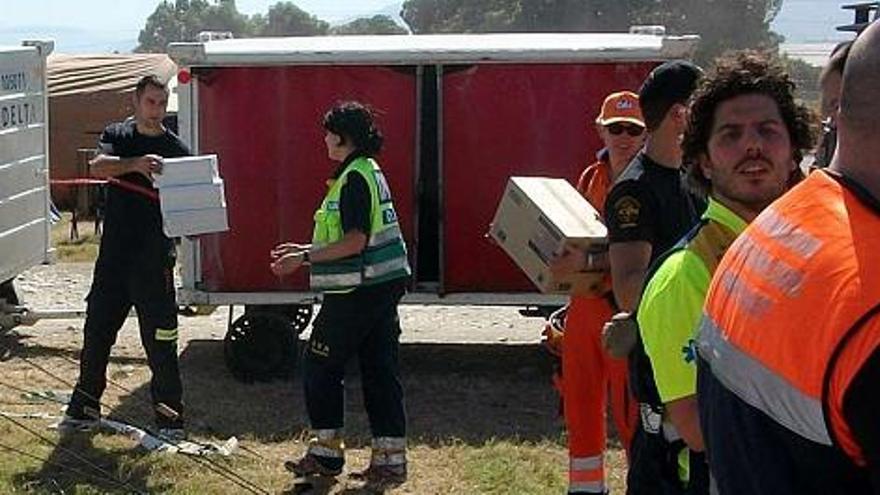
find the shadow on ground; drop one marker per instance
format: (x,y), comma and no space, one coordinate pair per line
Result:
(454,392)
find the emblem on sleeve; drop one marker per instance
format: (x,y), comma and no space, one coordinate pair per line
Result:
(626,211)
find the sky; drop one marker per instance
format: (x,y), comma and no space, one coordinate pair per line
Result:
(80,26)
(83,26)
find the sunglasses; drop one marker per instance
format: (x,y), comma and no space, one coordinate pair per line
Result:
(618,129)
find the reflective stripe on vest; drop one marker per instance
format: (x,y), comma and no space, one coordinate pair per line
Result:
(790,291)
(383,258)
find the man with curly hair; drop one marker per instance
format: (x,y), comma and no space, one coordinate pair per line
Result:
(744,132)
(789,341)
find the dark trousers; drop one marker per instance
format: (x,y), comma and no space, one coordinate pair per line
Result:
(362,323)
(144,281)
(749,452)
(653,468)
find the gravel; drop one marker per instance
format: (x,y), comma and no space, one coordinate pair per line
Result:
(64,286)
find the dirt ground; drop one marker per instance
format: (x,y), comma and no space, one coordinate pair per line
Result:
(475,378)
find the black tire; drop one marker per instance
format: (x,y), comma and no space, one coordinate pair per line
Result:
(260,347)
(299,315)
(7,291)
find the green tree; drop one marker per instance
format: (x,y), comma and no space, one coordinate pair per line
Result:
(378,24)
(182,20)
(722,24)
(286,19)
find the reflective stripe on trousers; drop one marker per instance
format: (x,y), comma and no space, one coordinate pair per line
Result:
(388,451)
(586,475)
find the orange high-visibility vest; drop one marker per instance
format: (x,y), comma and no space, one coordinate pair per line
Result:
(793,311)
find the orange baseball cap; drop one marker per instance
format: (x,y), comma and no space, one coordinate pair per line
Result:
(622,106)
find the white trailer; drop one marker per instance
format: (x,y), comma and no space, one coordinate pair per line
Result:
(24,164)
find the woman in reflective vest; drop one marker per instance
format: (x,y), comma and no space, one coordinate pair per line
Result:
(359,261)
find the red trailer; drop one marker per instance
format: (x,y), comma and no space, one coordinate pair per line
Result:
(460,113)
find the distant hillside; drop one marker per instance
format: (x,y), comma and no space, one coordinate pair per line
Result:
(72,40)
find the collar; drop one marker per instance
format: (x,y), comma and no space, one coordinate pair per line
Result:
(854,187)
(719,213)
(345,163)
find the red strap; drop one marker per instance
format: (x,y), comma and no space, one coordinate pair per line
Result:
(128,186)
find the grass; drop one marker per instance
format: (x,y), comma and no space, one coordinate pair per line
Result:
(481,420)
(501,467)
(83,248)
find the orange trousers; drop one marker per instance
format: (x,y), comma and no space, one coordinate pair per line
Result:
(590,379)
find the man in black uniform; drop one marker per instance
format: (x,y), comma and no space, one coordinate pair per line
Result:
(135,264)
(647,211)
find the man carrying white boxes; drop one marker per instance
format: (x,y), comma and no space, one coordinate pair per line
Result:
(135,265)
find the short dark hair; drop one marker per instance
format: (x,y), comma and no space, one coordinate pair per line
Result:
(148,80)
(352,120)
(668,84)
(735,74)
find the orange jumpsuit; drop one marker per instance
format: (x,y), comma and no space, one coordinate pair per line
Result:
(589,376)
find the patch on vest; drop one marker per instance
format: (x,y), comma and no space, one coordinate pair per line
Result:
(319,348)
(626,211)
(389,216)
(690,351)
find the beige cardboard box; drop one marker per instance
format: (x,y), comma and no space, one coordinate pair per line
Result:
(536,217)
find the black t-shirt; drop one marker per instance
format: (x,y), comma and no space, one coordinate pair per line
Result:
(651,203)
(354,199)
(861,403)
(132,220)
(861,408)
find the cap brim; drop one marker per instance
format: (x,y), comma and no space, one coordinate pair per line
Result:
(629,120)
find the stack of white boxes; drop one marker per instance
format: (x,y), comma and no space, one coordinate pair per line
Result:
(191,196)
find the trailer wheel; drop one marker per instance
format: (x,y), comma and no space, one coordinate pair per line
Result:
(7,292)
(260,347)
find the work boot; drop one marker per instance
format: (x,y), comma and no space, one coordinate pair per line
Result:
(311,465)
(380,478)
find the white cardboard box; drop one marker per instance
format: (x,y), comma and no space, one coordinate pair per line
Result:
(194,222)
(187,170)
(536,217)
(191,196)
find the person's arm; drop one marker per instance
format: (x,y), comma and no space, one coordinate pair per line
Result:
(103,166)
(685,416)
(668,316)
(107,164)
(630,218)
(355,210)
(861,409)
(629,264)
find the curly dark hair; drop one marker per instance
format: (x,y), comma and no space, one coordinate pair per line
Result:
(353,121)
(740,73)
